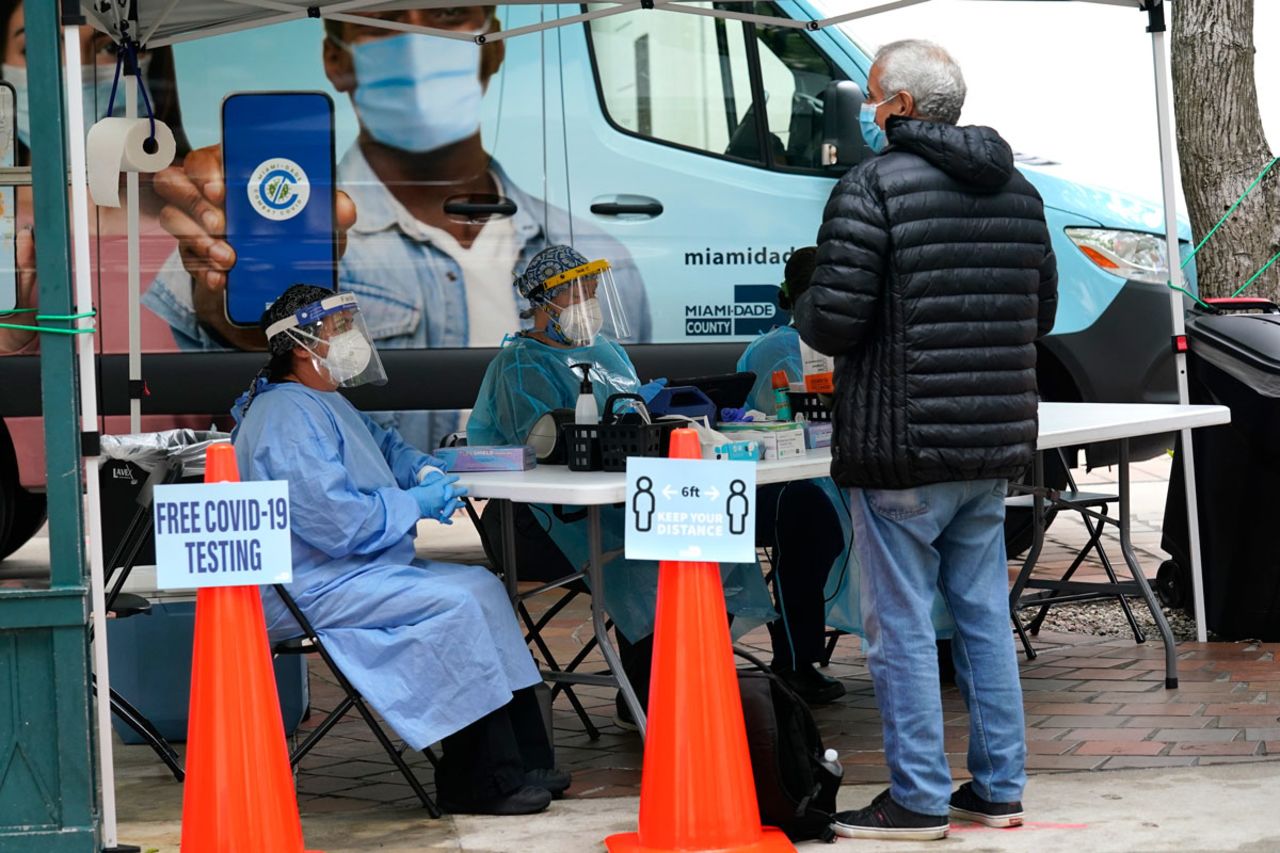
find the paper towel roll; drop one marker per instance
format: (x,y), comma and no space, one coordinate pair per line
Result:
(116,145)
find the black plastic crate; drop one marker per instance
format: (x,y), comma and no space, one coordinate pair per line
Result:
(812,407)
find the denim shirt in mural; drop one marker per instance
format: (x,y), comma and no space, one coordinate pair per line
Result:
(411,292)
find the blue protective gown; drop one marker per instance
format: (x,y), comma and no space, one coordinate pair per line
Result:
(527,379)
(779,349)
(432,646)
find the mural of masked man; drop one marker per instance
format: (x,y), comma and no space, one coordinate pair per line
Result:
(424,278)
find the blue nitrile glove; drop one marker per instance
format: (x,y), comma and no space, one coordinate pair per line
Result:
(438,498)
(649,390)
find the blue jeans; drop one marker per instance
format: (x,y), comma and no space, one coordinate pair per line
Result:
(947,536)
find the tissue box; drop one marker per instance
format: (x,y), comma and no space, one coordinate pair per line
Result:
(817,434)
(778,439)
(492,458)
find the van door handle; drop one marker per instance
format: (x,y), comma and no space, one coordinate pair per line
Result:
(637,206)
(502,207)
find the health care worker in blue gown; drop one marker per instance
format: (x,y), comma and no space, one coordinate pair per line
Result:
(804,509)
(424,278)
(434,647)
(570,297)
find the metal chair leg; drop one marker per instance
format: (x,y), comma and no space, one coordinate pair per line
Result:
(392,753)
(833,637)
(1033,627)
(135,720)
(535,636)
(1138,635)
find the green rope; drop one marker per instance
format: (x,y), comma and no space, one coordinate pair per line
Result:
(1255,276)
(19,311)
(55,317)
(21,328)
(1230,211)
(66,316)
(1186,292)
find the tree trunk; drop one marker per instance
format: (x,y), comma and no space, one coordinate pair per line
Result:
(1222,147)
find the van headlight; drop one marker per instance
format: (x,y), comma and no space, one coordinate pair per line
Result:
(1133,255)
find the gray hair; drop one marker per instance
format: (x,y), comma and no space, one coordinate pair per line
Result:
(928,73)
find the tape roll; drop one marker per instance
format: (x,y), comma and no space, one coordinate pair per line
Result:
(545,438)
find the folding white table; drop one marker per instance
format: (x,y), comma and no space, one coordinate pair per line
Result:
(556,484)
(1076,424)
(1061,425)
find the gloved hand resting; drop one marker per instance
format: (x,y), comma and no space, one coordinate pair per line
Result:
(439,498)
(649,390)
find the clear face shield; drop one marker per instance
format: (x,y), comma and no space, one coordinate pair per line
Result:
(334,332)
(584,300)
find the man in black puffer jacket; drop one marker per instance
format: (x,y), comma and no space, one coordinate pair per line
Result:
(935,277)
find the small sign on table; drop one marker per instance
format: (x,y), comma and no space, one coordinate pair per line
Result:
(690,509)
(222,534)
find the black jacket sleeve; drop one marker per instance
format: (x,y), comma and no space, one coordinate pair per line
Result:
(835,314)
(1048,290)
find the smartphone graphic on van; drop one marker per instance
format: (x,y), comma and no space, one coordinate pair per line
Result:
(277,155)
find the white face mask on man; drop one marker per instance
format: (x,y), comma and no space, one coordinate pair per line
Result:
(581,321)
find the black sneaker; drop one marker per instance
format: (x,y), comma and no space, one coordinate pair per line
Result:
(553,779)
(526,800)
(886,819)
(966,805)
(812,686)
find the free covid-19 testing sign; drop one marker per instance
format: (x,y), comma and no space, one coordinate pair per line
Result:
(222,534)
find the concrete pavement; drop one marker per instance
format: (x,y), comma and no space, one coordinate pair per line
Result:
(1222,808)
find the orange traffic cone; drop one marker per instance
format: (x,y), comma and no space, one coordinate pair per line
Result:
(239,788)
(697,792)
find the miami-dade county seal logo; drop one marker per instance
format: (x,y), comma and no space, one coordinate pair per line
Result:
(278,189)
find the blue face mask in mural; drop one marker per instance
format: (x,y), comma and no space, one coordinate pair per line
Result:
(417,92)
(871,132)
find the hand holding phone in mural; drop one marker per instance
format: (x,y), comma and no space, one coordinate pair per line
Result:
(195,194)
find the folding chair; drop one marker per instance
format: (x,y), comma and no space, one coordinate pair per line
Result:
(1092,507)
(309,643)
(123,605)
(571,585)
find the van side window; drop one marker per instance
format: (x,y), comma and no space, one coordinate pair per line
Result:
(696,81)
(794,75)
(678,78)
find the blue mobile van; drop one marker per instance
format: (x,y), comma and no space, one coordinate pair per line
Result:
(695,152)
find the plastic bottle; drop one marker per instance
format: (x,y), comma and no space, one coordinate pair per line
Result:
(831,761)
(586,411)
(781,395)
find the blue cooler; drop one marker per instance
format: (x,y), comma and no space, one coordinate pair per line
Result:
(150,660)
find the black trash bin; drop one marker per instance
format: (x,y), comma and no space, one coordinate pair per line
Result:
(1233,361)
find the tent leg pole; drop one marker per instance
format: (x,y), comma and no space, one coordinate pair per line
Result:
(89,422)
(130,84)
(1164,117)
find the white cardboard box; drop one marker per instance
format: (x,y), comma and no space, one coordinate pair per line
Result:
(777,440)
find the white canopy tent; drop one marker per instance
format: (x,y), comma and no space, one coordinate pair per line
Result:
(155,23)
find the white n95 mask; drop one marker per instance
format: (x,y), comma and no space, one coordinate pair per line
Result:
(349,354)
(581,321)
